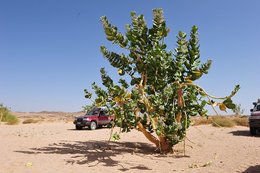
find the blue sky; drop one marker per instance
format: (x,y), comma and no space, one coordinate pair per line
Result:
(49,50)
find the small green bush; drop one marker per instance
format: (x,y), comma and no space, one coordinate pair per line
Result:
(6,116)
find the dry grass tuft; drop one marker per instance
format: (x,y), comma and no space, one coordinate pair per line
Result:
(221,121)
(201,121)
(240,121)
(30,121)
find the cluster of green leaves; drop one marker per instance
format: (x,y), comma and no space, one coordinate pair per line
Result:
(156,75)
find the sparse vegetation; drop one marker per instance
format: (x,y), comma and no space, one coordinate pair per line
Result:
(240,120)
(6,116)
(201,121)
(221,121)
(30,121)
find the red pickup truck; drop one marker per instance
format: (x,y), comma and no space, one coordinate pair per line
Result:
(97,117)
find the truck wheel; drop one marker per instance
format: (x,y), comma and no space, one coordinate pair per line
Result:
(252,131)
(93,125)
(78,127)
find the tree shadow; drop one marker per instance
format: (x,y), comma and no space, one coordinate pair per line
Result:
(88,129)
(253,169)
(85,129)
(97,152)
(243,133)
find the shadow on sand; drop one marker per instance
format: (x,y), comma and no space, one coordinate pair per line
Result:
(253,169)
(98,152)
(244,133)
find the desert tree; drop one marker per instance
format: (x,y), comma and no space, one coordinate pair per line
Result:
(156,91)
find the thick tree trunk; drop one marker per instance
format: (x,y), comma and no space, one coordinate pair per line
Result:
(148,135)
(165,146)
(180,104)
(160,143)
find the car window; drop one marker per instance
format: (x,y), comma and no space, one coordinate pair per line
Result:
(102,113)
(93,112)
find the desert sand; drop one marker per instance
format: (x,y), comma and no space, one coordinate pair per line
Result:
(52,145)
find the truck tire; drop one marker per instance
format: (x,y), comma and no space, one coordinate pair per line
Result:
(252,131)
(93,125)
(78,127)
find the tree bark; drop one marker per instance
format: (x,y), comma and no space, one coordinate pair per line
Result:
(148,135)
(180,104)
(160,143)
(164,145)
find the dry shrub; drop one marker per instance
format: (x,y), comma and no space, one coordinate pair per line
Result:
(222,121)
(241,121)
(30,121)
(201,121)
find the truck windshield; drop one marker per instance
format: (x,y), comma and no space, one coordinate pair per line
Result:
(93,112)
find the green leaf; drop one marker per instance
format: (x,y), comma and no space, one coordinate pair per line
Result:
(135,81)
(115,137)
(124,83)
(229,103)
(88,95)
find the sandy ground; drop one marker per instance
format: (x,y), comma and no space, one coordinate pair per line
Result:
(52,145)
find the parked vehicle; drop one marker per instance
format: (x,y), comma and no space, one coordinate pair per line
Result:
(254,119)
(97,117)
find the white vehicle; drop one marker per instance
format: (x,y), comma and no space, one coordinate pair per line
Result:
(254,119)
